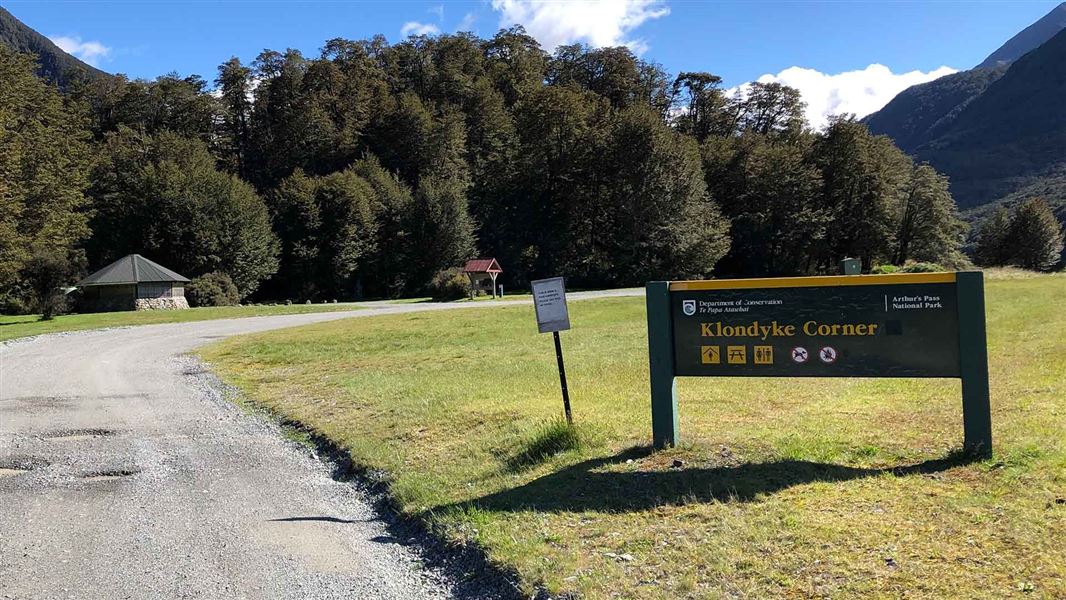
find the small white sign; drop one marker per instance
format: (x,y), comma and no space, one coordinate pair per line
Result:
(549,300)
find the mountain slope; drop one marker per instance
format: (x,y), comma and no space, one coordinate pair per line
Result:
(1028,39)
(918,112)
(55,65)
(1009,135)
(998,130)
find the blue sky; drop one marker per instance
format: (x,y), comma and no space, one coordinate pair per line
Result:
(824,48)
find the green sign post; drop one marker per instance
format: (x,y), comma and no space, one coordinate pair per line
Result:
(901,325)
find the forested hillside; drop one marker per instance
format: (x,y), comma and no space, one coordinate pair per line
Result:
(918,113)
(368,168)
(53,64)
(997,130)
(1009,135)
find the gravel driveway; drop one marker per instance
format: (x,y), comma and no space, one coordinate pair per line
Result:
(125,474)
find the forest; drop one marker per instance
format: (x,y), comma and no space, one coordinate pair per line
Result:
(366,170)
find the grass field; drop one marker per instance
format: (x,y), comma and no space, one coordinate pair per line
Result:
(16,326)
(786,488)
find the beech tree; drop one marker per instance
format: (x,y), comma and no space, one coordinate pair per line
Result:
(44,160)
(163,196)
(864,177)
(990,239)
(929,226)
(1034,239)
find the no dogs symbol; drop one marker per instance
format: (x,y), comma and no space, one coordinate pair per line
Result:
(828,355)
(800,355)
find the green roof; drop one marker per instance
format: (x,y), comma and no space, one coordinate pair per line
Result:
(133,268)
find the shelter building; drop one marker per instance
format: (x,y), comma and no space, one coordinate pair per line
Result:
(482,273)
(133,283)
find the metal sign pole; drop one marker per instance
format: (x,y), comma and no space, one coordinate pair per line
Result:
(562,378)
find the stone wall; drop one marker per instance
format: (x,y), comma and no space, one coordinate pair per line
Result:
(176,303)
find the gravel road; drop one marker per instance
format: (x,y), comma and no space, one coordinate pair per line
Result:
(124,473)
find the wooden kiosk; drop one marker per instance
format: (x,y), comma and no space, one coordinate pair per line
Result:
(482,273)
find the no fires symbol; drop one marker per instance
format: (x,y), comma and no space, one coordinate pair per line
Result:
(800,355)
(828,354)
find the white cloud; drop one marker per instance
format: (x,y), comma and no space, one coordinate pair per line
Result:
(438,10)
(416,28)
(467,24)
(596,22)
(858,92)
(91,52)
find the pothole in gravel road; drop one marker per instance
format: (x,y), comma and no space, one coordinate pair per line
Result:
(109,475)
(17,465)
(70,435)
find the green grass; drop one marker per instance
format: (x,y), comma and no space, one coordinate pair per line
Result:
(16,326)
(786,487)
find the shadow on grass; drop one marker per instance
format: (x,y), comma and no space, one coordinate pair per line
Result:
(551,438)
(585,486)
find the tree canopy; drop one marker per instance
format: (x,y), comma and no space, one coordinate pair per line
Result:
(369,168)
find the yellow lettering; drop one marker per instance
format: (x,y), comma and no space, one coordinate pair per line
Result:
(808,328)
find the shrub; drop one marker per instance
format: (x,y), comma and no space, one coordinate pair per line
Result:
(1035,236)
(47,271)
(884,269)
(212,289)
(922,268)
(449,284)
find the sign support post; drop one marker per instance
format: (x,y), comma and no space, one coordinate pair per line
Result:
(562,378)
(973,365)
(549,303)
(664,418)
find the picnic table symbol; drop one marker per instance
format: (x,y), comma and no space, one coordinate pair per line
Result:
(737,355)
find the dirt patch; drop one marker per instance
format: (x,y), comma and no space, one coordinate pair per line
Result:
(70,435)
(110,475)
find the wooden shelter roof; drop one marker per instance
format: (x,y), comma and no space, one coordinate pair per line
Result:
(482,265)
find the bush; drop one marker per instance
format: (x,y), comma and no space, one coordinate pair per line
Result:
(884,270)
(212,289)
(1035,237)
(922,268)
(449,284)
(47,271)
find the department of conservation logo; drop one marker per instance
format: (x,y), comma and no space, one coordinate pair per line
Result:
(688,307)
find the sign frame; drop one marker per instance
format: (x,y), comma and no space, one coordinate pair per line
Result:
(972,345)
(546,322)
